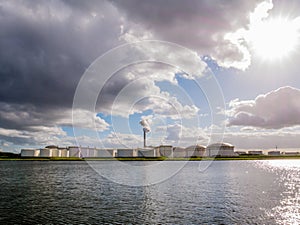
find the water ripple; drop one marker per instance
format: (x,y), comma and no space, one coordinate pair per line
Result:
(229,192)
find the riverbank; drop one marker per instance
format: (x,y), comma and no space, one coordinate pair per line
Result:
(251,157)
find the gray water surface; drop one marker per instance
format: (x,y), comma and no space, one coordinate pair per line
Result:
(227,192)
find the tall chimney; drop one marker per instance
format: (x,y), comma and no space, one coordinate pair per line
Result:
(145,131)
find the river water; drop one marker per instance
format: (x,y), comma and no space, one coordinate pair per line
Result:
(226,192)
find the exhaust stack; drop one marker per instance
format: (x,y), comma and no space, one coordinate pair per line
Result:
(145,134)
(146,128)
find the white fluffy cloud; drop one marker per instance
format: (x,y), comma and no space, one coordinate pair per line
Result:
(181,135)
(172,134)
(264,139)
(35,135)
(137,89)
(85,119)
(114,140)
(276,109)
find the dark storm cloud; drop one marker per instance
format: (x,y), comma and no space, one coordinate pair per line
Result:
(26,116)
(193,23)
(45,47)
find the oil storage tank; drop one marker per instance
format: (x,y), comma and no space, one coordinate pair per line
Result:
(105,153)
(64,152)
(195,151)
(30,152)
(55,152)
(126,152)
(220,149)
(179,152)
(46,152)
(166,150)
(147,152)
(74,151)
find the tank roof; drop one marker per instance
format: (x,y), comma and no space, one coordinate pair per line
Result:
(220,144)
(51,146)
(196,146)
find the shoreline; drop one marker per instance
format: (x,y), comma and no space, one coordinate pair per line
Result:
(261,157)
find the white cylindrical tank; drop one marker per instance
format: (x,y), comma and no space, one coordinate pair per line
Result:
(30,153)
(166,150)
(36,153)
(55,152)
(195,151)
(179,152)
(105,153)
(64,153)
(220,149)
(45,152)
(92,152)
(127,152)
(85,152)
(146,152)
(74,151)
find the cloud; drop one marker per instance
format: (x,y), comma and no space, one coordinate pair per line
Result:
(276,109)
(114,140)
(137,88)
(170,106)
(44,50)
(200,25)
(36,136)
(47,46)
(264,139)
(28,124)
(27,117)
(181,135)
(174,132)
(85,119)
(236,50)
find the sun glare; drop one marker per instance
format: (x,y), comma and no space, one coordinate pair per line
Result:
(274,39)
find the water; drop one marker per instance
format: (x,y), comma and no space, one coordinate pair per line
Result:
(228,192)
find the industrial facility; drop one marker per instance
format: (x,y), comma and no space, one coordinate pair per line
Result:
(212,150)
(217,149)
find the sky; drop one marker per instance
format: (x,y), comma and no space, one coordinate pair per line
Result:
(197,71)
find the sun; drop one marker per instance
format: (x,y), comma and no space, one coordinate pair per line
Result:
(274,38)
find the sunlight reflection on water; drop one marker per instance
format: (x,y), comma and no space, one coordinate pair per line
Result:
(288,171)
